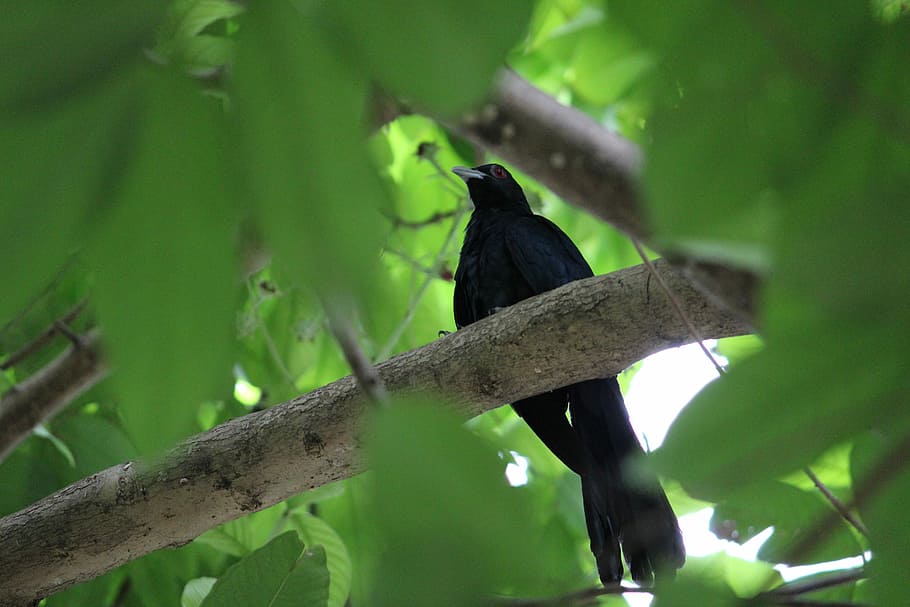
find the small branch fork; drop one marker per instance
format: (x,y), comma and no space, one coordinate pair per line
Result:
(59,326)
(363,370)
(677,307)
(437,217)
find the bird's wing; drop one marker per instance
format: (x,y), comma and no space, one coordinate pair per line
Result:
(461,305)
(544,255)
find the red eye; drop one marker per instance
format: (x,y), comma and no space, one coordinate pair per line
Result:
(498,172)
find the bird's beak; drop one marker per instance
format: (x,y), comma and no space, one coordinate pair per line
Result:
(467,174)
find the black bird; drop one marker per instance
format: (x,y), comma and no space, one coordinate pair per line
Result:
(510,254)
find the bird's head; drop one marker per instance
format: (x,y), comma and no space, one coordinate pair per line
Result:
(492,186)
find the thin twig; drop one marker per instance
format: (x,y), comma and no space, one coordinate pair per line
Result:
(364,371)
(677,307)
(806,586)
(579,598)
(40,295)
(435,267)
(887,467)
(410,260)
(267,336)
(437,217)
(837,503)
(798,602)
(422,289)
(45,337)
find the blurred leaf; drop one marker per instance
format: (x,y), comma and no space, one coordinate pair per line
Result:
(281,573)
(243,535)
(748,80)
(62,110)
(702,583)
(737,349)
(886,518)
(80,50)
(189,18)
(303,150)
(793,513)
(181,39)
(607,62)
(58,163)
(447,522)
(164,259)
(316,532)
(158,579)
(196,590)
(41,431)
(876,466)
(95,441)
(417,49)
(35,469)
(99,591)
(743,428)
(558,543)
(748,578)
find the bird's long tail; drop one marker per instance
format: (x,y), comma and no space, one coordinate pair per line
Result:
(624,504)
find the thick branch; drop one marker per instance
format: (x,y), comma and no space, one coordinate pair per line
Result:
(587,166)
(587,329)
(40,396)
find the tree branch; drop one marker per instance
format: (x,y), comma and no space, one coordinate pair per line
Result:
(44,393)
(590,328)
(42,340)
(587,166)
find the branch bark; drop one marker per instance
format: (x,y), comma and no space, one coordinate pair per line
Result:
(43,394)
(586,329)
(589,167)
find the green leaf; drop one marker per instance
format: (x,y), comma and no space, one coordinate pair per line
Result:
(793,513)
(737,349)
(102,590)
(884,479)
(164,258)
(158,579)
(58,164)
(181,39)
(743,428)
(80,49)
(34,470)
(196,590)
(243,535)
(190,17)
(316,532)
(890,534)
(95,441)
(701,584)
(446,521)
(41,431)
(607,63)
(281,573)
(442,54)
(303,151)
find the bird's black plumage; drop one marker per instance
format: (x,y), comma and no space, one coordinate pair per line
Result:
(510,254)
